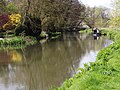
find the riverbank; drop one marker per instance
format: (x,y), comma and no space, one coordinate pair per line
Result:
(86,31)
(104,73)
(16,42)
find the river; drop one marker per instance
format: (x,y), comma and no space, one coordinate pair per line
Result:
(50,63)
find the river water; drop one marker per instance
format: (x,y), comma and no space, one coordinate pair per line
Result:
(50,63)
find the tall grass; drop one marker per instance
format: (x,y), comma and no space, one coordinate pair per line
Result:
(16,42)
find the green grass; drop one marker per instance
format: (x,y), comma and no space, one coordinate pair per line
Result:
(104,74)
(16,42)
(11,41)
(86,31)
(55,35)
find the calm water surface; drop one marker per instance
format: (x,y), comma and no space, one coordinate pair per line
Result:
(47,64)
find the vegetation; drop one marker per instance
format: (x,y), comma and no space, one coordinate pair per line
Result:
(16,42)
(50,16)
(31,20)
(97,16)
(86,31)
(100,75)
(13,22)
(103,74)
(114,21)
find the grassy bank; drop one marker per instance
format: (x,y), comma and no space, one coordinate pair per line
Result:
(104,74)
(16,42)
(86,31)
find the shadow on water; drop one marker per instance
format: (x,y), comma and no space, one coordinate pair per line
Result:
(41,66)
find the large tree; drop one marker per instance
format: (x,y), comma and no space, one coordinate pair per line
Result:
(54,14)
(115,20)
(96,16)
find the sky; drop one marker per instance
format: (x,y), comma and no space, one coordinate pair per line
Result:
(92,3)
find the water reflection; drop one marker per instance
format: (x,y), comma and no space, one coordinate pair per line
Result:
(96,37)
(41,66)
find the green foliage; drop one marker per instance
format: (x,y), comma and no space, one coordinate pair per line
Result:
(115,20)
(104,74)
(55,33)
(17,42)
(7,7)
(113,33)
(86,31)
(54,14)
(12,41)
(11,8)
(96,16)
(43,34)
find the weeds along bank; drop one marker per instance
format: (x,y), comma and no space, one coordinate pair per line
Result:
(104,74)
(16,42)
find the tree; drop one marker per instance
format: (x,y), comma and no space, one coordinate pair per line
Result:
(96,16)
(54,14)
(2,6)
(115,20)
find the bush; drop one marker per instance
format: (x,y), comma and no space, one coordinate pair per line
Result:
(14,21)
(3,20)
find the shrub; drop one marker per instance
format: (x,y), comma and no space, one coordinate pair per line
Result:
(3,20)
(14,21)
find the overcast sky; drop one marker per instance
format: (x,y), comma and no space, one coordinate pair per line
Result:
(92,3)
